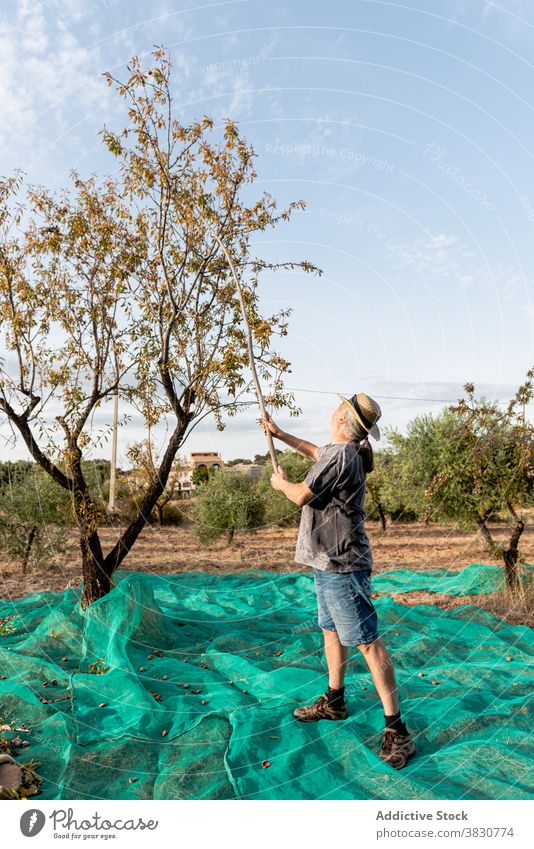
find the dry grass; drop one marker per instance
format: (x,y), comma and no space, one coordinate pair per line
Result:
(405,545)
(515,608)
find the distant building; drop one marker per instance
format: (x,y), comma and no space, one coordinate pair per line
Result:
(184,483)
(197,460)
(183,476)
(251,470)
(206,459)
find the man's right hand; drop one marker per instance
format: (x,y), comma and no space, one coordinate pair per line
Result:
(267,422)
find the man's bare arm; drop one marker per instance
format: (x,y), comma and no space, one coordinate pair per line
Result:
(307,449)
(298,493)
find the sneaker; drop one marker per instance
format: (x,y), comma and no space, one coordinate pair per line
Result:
(396,748)
(321,709)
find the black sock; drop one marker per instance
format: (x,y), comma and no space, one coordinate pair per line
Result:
(394,721)
(336,697)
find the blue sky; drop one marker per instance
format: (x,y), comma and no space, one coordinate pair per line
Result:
(408,129)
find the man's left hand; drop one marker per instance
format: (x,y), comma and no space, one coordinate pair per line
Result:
(277,478)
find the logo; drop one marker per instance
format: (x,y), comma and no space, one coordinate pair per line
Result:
(31,822)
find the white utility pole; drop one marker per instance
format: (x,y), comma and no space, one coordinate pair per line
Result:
(113,469)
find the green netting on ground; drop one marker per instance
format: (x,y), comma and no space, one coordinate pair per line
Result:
(258,630)
(472,579)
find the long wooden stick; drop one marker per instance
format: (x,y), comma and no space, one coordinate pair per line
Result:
(250,349)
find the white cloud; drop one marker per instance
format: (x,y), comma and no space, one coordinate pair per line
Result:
(441,257)
(444,239)
(47,78)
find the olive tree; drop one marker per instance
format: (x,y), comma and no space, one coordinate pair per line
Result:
(200,475)
(227,502)
(121,285)
(486,468)
(278,510)
(381,483)
(35,516)
(410,464)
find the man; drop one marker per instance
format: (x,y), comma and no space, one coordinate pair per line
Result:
(332,540)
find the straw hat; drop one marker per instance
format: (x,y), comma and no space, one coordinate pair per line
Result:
(365,410)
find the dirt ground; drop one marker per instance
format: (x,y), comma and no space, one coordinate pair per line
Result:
(175,549)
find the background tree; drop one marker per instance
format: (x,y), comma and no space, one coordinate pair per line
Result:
(486,468)
(414,459)
(15,470)
(278,510)
(200,475)
(227,503)
(146,463)
(35,516)
(96,473)
(262,459)
(379,483)
(122,286)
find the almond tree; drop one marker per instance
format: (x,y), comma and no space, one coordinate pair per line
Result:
(145,470)
(122,285)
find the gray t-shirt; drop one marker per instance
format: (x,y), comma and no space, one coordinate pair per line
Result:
(332,533)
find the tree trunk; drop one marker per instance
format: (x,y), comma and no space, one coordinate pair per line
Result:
(119,551)
(230,536)
(159,510)
(511,556)
(96,577)
(382,515)
(96,580)
(484,534)
(97,570)
(28,548)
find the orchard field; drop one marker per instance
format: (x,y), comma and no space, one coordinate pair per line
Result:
(405,545)
(151,649)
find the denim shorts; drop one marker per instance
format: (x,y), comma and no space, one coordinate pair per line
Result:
(344,605)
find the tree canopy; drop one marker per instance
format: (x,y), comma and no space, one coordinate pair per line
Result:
(121,285)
